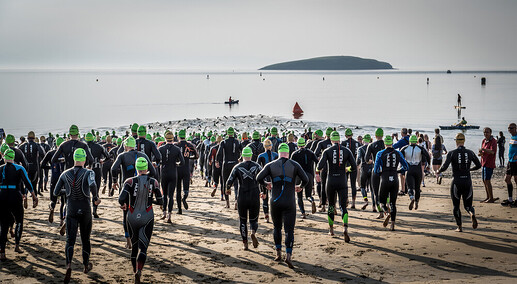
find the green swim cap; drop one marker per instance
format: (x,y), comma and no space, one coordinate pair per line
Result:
(367,138)
(9,139)
(329,130)
(230,131)
(4,148)
(319,132)
(262,139)
(209,133)
(113,132)
(74,130)
(9,154)
(388,140)
(107,133)
(141,130)
(59,141)
(130,142)
(182,133)
(80,155)
(57,135)
(134,128)
(88,137)
(348,132)
(247,152)
(255,135)
(301,142)
(198,135)
(119,141)
(141,164)
(148,136)
(103,137)
(334,136)
(274,131)
(283,148)
(413,139)
(212,139)
(189,138)
(379,132)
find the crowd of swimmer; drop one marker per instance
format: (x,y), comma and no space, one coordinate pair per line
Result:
(277,172)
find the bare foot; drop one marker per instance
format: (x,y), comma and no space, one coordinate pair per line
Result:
(288,261)
(459,229)
(51,216)
(245,245)
(347,237)
(18,249)
(213,192)
(138,275)
(386,220)
(267,218)
(88,267)
(62,229)
(380,216)
(411,204)
(416,205)
(484,200)
(278,255)
(313,204)
(392,227)
(227,204)
(164,216)
(304,216)
(254,240)
(474,221)
(331,231)
(68,275)
(364,206)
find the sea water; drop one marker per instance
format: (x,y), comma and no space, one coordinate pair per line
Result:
(46,100)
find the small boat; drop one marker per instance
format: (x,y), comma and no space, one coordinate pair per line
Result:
(297,109)
(232,102)
(459,126)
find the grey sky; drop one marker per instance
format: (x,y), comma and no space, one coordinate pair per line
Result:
(219,34)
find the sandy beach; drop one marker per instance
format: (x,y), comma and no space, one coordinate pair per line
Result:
(204,245)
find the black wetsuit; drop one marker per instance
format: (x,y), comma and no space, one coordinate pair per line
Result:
(292,147)
(126,162)
(56,171)
(461,186)
(98,153)
(283,172)
(335,159)
(366,173)
(19,158)
(306,158)
(78,183)
(248,199)
(352,145)
(12,176)
(228,156)
(43,171)
(172,157)
(263,159)
(371,154)
(138,195)
(106,166)
(415,156)
(322,192)
(189,153)
(34,154)
(67,149)
(386,165)
(149,148)
(217,176)
(113,156)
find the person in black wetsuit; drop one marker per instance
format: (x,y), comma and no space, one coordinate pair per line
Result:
(283,173)
(275,141)
(366,172)
(263,159)
(461,187)
(322,145)
(306,158)
(291,143)
(189,152)
(415,156)
(352,145)
(386,166)
(78,183)
(216,172)
(11,200)
(106,165)
(56,171)
(501,141)
(126,162)
(172,157)
(335,159)
(256,146)
(19,157)
(34,154)
(370,157)
(147,146)
(136,199)
(43,174)
(68,148)
(248,199)
(113,156)
(228,156)
(99,154)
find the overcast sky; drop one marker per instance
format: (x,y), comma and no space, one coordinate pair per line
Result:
(224,34)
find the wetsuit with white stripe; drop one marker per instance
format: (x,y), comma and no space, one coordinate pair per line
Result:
(415,156)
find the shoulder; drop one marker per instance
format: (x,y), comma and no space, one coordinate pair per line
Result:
(129,181)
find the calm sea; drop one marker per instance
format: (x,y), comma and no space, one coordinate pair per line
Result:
(51,101)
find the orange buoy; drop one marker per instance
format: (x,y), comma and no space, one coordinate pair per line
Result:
(297,109)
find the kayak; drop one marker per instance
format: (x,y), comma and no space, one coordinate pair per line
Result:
(461,127)
(232,102)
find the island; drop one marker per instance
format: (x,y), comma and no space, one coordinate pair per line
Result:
(331,63)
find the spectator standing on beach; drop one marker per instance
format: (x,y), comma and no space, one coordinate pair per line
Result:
(487,154)
(511,170)
(501,140)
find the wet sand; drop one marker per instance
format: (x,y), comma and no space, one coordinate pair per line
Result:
(204,245)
